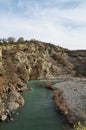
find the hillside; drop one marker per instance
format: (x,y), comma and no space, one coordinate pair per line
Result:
(20,62)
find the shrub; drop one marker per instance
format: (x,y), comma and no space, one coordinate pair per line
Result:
(80,126)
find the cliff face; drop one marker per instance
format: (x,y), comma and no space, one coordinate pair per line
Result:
(78,59)
(33,60)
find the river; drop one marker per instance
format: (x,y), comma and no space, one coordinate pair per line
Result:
(39,112)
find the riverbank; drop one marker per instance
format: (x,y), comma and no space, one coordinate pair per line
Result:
(10,102)
(70,99)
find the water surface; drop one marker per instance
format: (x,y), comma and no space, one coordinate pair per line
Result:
(39,112)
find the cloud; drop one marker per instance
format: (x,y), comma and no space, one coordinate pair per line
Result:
(58,22)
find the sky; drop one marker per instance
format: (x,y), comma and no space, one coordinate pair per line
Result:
(61,22)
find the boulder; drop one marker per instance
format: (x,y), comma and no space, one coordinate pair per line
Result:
(15,96)
(4,117)
(13,106)
(21,87)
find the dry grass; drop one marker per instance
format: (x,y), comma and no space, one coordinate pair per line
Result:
(60,102)
(62,106)
(49,85)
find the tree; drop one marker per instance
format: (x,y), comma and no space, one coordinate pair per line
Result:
(11,39)
(4,40)
(21,39)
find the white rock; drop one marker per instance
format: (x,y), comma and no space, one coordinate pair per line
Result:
(4,117)
(13,105)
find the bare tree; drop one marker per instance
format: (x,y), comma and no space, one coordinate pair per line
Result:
(4,40)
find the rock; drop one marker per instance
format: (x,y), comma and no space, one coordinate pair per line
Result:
(21,87)
(13,106)
(2,109)
(4,117)
(14,96)
(21,101)
(11,119)
(8,111)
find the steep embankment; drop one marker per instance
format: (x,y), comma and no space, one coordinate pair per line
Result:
(20,62)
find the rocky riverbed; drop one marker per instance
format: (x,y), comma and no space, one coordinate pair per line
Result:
(70,99)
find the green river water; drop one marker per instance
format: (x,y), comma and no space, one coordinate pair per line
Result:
(39,112)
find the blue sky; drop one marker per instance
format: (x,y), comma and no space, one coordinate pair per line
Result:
(61,22)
